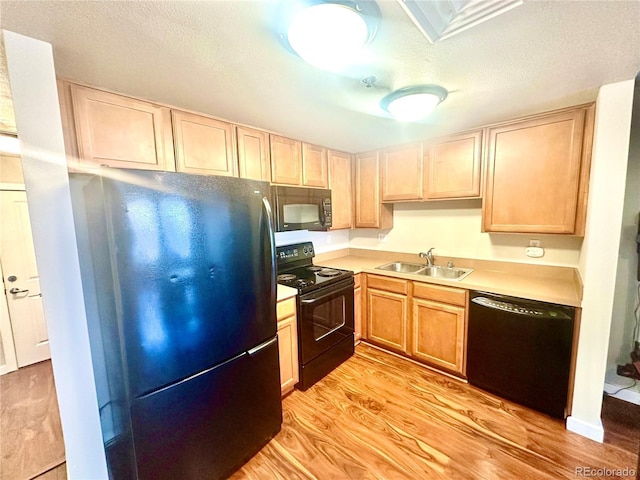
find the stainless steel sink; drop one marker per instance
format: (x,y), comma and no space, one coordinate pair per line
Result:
(449,273)
(402,267)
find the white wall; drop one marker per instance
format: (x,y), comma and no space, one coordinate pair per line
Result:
(453,228)
(322,241)
(35,99)
(626,289)
(599,257)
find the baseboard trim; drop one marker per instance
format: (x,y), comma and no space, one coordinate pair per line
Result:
(592,431)
(628,395)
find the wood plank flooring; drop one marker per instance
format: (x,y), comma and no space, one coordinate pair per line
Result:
(31,440)
(621,421)
(378,416)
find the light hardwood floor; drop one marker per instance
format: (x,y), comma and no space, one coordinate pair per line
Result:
(378,416)
(31,440)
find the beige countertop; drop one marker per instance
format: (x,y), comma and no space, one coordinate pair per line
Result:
(285,292)
(536,282)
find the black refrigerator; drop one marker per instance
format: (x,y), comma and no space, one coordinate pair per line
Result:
(179,284)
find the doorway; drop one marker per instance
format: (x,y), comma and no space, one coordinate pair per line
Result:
(30,428)
(21,282)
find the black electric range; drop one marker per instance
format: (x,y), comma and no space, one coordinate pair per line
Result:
(325,311)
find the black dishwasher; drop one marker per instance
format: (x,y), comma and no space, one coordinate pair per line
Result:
(520,350)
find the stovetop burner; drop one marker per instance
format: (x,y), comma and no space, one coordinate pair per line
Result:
(314,269)
(286,277)
(328,272)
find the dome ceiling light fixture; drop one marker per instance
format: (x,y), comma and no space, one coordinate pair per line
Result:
(330,34)
(410,104)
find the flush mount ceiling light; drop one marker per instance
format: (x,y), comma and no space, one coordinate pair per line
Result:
(409,104)
(330,34)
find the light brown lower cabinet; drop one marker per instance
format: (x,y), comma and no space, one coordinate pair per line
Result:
(425,322)
(438,334)
(439,326)
(288,344)
(357,309)
(387,308)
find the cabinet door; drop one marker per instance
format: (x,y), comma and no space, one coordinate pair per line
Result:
(438,334)
(402,173)
(387,319)
(121,132)
(341,190)
(369,211)
(533,174)
(288,348)
(286,160)
(314,166)
(453,167)
(253,154)
(204,145)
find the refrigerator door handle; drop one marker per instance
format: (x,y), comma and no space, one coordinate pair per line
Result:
(262,346)
(272,244)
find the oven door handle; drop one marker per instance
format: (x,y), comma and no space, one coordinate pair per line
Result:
(314,297)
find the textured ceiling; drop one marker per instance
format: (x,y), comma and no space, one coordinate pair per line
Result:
(224,58)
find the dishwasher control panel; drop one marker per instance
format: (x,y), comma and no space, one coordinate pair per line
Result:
(521,309)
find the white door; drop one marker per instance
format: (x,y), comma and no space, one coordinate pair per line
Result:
(21,281)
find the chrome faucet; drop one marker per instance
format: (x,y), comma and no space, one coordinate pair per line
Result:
(428,256)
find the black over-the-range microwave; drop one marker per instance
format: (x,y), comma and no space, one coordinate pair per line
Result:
(300,208)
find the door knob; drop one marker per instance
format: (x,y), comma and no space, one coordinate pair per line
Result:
(16,290)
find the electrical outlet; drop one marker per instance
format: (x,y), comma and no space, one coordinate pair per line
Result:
(534,243)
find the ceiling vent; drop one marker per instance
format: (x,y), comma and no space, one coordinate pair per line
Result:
(444,18)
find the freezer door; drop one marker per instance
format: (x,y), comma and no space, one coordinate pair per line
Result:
(192,263)
(209,425)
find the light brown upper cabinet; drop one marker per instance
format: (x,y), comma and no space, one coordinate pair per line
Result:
(286,160)
(253,154)
(370,212)
(314,166)
(204,145)
(120,131)
(452,167)
(341,192)
(402,173)
(537,173)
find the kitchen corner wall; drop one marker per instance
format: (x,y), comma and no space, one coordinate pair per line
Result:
(453,228)
(599,256)
(626,288)
(35,98)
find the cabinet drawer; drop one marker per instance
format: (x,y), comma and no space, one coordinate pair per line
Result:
(388,284)
(452,296)
(286,308)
